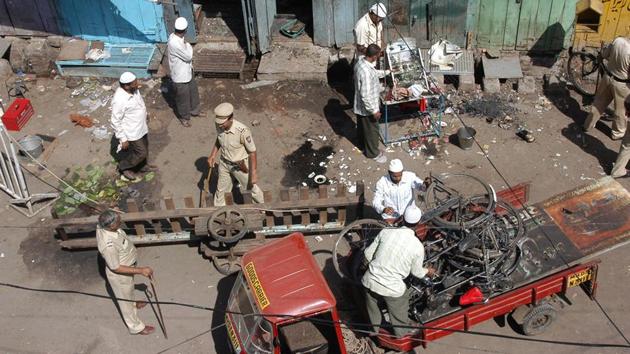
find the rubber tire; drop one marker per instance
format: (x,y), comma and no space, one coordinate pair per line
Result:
(572,79)
(543,312)
(449,224)
(345,230)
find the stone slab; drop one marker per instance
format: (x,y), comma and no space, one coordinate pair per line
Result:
(284,63)
(502,68)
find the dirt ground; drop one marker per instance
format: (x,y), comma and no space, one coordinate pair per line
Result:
(296,126)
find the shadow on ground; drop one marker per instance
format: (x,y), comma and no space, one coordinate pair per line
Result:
(562,99)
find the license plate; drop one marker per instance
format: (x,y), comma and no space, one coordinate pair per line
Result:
(580,277)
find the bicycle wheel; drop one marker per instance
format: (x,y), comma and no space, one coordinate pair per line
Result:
(491,245)
(352,241)
(582,72)
(458,200)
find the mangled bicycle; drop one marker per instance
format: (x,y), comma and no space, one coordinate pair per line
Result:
(470,239)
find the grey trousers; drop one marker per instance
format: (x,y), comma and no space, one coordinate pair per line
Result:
(368,135)
(624,156)
(135,155)
(187,99)
(397,307)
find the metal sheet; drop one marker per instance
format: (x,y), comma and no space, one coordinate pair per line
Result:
(594,217)
(465,65)
(113,21)
(502,68)
(4,45)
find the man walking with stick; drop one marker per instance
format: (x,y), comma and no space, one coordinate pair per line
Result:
(121,265)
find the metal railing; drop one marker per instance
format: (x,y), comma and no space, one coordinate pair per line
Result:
(12,179)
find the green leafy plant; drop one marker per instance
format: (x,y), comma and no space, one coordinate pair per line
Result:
(88,183)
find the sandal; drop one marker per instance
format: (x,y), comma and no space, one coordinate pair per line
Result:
(526,135)
(146,331)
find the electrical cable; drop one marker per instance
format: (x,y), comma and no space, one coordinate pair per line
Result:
(82,198)
(321,321)
(523,204)
(542,229)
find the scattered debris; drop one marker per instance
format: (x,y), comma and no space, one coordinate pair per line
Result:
(257,84)
(492,107)
(81,120)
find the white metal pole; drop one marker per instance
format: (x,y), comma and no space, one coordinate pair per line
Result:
(13,181)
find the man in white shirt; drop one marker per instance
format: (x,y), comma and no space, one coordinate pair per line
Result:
(367,103)
(613,87)
(369,29)
(120,257)
(129,122)
(180,56)
(394,255)
(394,192)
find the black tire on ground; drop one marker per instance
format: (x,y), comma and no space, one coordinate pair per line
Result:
(582,72)
(538,319)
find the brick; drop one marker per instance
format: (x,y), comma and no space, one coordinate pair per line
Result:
(491,85)
(527,84)
(467,83)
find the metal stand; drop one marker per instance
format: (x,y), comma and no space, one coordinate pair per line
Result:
(406,59)
(13,183)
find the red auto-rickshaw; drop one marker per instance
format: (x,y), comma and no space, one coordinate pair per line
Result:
(281,303)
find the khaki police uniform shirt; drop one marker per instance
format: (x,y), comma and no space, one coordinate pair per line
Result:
(116,248)
(236,142)
(618,56)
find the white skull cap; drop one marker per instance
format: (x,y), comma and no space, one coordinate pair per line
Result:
(127,77)
(395,166)
(412,214)
(379,10)
(181,24)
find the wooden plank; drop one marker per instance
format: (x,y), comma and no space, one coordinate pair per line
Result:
(304,195)
(511,25)
(239,249)
(341,211)
(247,197)
(287,217)
(268,196)
(192,211)
(323,194)
(189,203)
(170,205)
(133,207)
(229,198)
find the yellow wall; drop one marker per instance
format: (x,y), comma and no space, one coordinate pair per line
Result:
(614,22)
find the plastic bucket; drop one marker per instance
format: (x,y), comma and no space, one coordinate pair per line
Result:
(32,145)
(465,137)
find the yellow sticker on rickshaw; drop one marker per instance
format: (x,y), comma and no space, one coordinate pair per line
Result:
(259,292)
(580,277)
(232,334)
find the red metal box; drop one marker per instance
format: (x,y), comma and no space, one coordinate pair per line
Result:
(18,114)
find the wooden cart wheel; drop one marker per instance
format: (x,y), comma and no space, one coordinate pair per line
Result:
(227,265)
(227,225)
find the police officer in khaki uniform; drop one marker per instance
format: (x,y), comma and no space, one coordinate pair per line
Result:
(120,256)
(238,155)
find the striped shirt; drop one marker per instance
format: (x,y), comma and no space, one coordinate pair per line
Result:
(367,88)
(394,254)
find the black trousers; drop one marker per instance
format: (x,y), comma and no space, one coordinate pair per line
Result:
(368,135)
(187,99)
(135,155)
